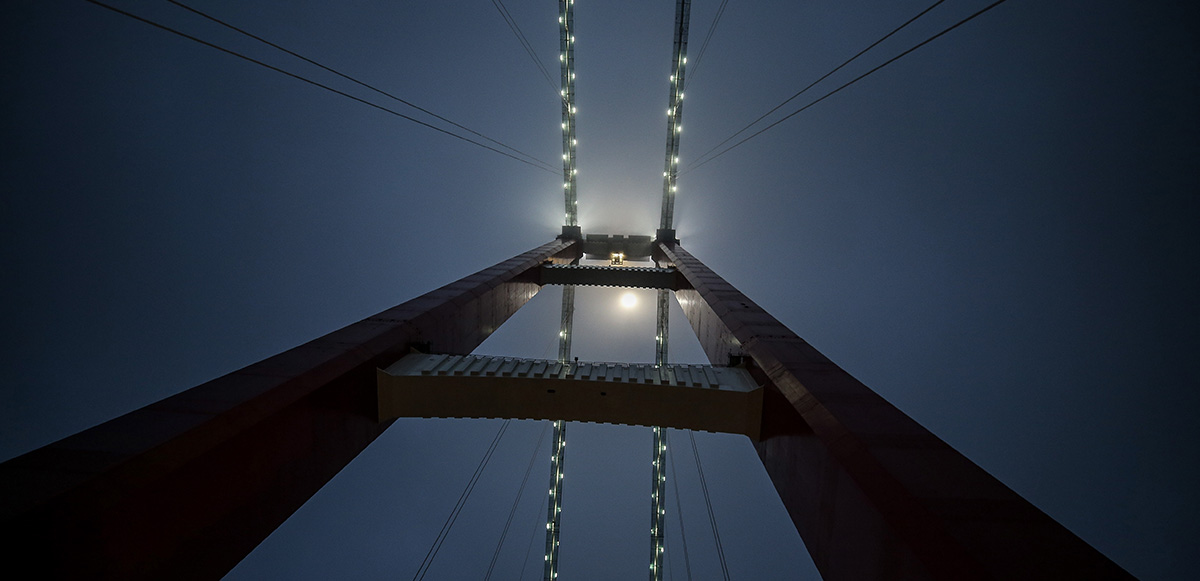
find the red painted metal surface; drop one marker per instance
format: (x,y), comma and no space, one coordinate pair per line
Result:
(873,494)
(186,487)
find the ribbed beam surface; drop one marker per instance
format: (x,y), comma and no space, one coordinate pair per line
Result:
(696,397)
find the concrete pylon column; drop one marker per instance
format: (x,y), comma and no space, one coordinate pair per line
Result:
(184,488)
(873,494)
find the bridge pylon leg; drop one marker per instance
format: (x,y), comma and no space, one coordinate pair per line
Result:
(186,487)
(873,494)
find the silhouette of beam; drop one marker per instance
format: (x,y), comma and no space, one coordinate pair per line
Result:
(873,494)
(622,276)
(692,397)
(184,488)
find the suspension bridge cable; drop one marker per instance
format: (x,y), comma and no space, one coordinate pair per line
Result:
(687,560)
(511,513)
(707,37)
(312,82)
(712,520)
(512,25)
(537,522)
(851,82)
(352,79)
(431,554)
(823,77)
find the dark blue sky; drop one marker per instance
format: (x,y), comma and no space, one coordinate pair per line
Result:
(996,233)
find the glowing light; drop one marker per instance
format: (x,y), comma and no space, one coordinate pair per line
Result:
(628,300)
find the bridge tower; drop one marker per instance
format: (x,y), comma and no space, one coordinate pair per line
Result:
(185,487)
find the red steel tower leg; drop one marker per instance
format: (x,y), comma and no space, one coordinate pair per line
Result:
(873,494)
(184,488)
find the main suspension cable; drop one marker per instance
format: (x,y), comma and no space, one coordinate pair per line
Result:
(516,30)
(352,79)
(512,512)
(707,37)
(851,82)
(312,82)
(431,554)
(814,83)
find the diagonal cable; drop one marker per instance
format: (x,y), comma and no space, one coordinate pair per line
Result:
(537,526)
(823,77)
(309,81)
(707,37)
(712,519)
(516,30)
(431,554)
(520,492)
(352,79)
(687,560)
(852,81)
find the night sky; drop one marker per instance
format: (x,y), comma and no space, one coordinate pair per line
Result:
(995,233)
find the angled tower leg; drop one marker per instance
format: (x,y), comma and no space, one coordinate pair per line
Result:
(186,487)
(873,494)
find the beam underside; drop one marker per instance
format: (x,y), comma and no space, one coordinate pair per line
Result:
(873,494)
(186,487)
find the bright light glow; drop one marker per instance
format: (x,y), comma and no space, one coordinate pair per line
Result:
(628,300)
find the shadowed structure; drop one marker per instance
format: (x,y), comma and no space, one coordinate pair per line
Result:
(184,488)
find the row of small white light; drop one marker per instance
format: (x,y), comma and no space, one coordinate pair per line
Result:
(657,496)
(566,58)
(555,509)
(674,127)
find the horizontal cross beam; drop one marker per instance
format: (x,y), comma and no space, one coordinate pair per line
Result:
(623,276)
(693,397)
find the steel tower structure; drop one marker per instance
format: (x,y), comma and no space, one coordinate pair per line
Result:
(185,487)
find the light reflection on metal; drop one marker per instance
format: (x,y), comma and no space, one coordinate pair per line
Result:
(683,9)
